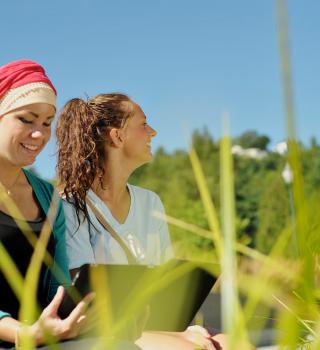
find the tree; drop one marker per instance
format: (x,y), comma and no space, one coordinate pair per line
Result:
(251,139)
(261,196)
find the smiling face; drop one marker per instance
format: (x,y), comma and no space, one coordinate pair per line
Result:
(137,137)
(24,132)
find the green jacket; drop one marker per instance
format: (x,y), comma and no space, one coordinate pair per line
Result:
(58,274)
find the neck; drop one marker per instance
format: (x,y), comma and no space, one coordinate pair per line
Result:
(9,174)
(114,181)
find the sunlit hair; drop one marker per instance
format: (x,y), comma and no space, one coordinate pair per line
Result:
(83,131)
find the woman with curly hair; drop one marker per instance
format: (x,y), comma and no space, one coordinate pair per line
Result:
(100,143)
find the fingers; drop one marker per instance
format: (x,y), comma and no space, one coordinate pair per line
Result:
(207,344)
(81,319)
(199,329)
(216,344)
(88,298)
(52,308)
(221,340)
(82,325)
(89,324)
(200,336)
(79,310)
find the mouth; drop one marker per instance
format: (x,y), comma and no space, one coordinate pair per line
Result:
(32,148)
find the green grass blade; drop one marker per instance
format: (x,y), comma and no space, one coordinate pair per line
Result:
(206,200)
(230,307)
(11,272)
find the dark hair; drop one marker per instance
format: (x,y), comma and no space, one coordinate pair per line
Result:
(82,132)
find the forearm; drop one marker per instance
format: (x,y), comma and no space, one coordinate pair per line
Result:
(8,329)
(174,334)
(163,340)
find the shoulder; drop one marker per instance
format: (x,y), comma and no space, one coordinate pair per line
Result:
(74,222)
(68,208)
(44,192)
(38,183)
(48,197)
(143,192)
(142,195)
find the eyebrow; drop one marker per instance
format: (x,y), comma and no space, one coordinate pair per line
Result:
(37,115)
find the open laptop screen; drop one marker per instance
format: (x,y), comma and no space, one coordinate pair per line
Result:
(172,293)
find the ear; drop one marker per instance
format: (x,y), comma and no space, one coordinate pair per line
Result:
(116,137)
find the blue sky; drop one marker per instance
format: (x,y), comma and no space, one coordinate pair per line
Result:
(184,62)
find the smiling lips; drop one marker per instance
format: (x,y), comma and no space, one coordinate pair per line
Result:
(32,148)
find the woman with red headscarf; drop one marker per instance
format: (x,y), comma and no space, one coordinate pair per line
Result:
(31,216)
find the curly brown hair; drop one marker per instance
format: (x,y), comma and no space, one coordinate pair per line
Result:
(83,130)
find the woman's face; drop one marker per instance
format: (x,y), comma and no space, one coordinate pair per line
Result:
(24,132)
(137,137)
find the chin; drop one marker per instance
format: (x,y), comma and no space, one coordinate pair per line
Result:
(150,156)
(27,162)
(149,159)
(143,162)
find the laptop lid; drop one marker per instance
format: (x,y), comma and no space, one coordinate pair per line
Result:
(172,292)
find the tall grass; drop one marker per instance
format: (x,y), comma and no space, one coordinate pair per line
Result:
(304,304)
(232,315)
(281,283)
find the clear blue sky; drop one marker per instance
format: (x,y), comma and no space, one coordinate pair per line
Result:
(184,61)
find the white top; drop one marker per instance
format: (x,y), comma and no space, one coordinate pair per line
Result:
(145,234)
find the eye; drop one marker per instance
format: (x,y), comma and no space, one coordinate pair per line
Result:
(47,124)
(25,121)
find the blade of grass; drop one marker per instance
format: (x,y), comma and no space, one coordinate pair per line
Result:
(294,152)
(255,255)
(11,272)
(29,311)
(102,306)
(24,227)
(232,317)
(206,200)
(306,286)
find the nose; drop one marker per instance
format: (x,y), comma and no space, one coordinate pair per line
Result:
(36,134)
(39,133)
(152,131)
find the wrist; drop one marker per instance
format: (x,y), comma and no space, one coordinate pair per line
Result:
(17,344)
(181,334)
(25,337)
(36,332)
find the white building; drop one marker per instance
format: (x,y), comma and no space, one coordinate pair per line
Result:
(255,153)
(281,148)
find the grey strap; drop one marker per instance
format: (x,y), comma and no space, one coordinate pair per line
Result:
(131,258)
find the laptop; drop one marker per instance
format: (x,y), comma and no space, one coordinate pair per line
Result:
(171,293)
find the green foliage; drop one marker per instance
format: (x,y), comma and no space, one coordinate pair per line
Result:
(273,214)
(251,139)
(262,198)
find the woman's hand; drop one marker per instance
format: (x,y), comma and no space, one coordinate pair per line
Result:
(200,336)
(50,323)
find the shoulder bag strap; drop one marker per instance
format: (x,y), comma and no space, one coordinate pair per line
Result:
(131,258)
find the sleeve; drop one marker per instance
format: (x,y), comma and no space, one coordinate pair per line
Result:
(4,314)
(163,231)
(60,270)
(79,248)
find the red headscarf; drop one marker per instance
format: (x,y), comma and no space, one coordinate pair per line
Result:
(21,72)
